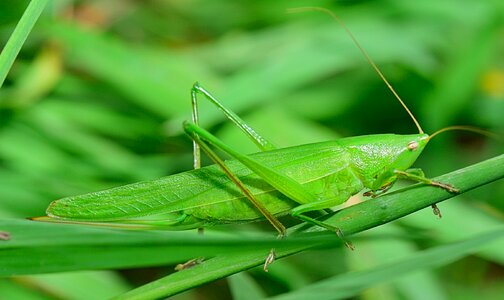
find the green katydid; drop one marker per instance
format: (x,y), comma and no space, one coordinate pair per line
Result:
(263,185)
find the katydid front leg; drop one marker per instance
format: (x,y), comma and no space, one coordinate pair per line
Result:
(419,176)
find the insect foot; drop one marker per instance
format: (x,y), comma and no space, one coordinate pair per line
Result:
(436,211)
(189,264)
(348,244)
(5,236)
(269,259)
(371,194)
(382,190)
(446,186)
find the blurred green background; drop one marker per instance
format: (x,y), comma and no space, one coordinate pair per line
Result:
(98,93)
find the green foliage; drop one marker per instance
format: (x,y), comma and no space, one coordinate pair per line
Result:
(98,93)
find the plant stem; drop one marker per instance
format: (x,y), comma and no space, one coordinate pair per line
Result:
(351,220)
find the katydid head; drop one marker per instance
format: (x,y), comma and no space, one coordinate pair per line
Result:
(379,156)
(375,157)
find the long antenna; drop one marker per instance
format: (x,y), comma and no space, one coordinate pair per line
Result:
(366,55)
(466,128)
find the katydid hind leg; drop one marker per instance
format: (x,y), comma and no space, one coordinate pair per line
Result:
(270,258)
(217,160)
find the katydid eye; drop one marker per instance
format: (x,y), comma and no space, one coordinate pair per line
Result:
(412,146)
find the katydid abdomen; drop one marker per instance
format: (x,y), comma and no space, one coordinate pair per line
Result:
(333,171)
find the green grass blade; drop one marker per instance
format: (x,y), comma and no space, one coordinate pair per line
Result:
(462,218)
(351,220)
(376,251)
(82,285)
(36,247)
(243,287)
(18,37)
(350,284)
(13,290)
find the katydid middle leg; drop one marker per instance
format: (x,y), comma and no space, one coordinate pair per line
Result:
(298,213)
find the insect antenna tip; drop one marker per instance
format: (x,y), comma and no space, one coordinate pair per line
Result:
(363,51)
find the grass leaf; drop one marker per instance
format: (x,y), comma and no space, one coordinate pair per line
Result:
(16,41)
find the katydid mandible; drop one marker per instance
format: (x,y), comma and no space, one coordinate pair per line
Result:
(264,185)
